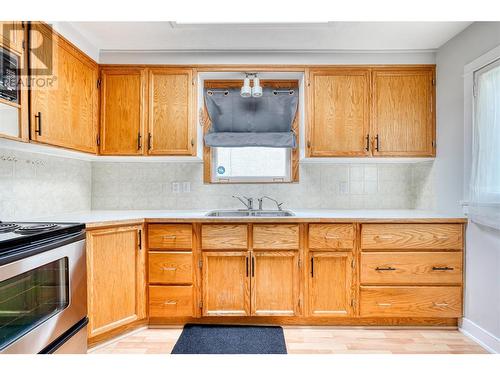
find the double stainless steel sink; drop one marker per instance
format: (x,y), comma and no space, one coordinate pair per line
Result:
(249,213)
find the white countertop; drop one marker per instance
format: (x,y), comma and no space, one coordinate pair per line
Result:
(123,215)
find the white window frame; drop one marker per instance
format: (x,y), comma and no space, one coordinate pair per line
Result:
(252,179)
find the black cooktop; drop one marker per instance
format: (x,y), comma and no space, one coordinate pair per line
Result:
(19,234)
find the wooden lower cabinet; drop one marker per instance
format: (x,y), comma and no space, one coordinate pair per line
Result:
(275,283)
(116,278)
(170,301)
(411,301)
(331,291)
(226,283)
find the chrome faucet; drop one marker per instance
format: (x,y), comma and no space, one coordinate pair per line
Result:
(278,204)
(248,204)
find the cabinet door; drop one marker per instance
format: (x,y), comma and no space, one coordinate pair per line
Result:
(122,111)
(170,112)
(330,286)
(403,112)
(116,278)
(275,283)
(226,284)
(12,35)
(64,112)
(340,115)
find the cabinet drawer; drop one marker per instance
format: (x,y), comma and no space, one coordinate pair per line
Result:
(331,236)
(170,301)
(411,236)
(170,236)
(224,236)
(170,267)
(417,301)
(411,268)
(276,236)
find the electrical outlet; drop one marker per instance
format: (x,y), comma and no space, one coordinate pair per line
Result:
(186,186)
(343,187)
(176,187)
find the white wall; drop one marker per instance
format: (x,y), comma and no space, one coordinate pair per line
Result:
(482,297)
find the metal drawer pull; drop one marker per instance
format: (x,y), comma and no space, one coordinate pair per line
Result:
(330,237)
(169,237)
(385,269)
(169,268)
(441,237)
(384,304)
(440,304)
(443,268)
(384,237)
(170,303)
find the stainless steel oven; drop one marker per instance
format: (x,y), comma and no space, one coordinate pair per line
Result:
(43,296)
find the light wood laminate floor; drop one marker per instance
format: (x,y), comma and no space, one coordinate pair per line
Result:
(316,340)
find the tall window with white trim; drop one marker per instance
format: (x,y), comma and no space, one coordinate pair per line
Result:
(485,178)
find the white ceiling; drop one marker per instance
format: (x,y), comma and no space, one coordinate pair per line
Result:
(328,36)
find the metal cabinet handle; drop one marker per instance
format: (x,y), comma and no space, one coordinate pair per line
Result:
(170,303)
(149,141)
(38,129)
(367,148)
(444,304)
(384,304)
(443,268)
(385,269)
(140,239)
(168,268)
(377,143)
(246,265)
(330,237)
(253,266)
(384,237)
(171,237)
(139,137)
(312,266)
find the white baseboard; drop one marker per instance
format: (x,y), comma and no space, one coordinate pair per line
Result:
(484,338)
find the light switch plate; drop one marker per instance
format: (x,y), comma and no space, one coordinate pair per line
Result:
(186,186)
(176,187)
(343,187)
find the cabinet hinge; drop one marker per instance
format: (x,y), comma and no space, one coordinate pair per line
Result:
(433,144)
(24,45)
(200,263)
(434,82)
(99,83)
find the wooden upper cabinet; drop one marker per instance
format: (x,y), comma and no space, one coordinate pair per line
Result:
(116,278)
(12,35)
(123,111)
(64,110)
(403,111)
(171,130)
(339,112)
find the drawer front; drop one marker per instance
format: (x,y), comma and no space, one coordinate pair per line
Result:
(411,268)
(411,236)
(224,236)
(170,267)
(170,236)
(417,301)
(331,236)
(276,236)
(170,301)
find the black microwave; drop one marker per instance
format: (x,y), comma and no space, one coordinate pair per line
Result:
(9,76)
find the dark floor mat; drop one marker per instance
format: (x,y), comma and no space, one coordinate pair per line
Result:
(226,339)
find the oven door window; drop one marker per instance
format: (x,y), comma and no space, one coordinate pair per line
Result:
(29,299)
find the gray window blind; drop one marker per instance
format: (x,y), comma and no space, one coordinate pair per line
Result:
(251,122)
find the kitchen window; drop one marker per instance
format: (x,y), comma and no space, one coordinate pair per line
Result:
(485,177)
(251,164)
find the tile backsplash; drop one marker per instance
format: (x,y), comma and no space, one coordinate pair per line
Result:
(340,186)
(35,185)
